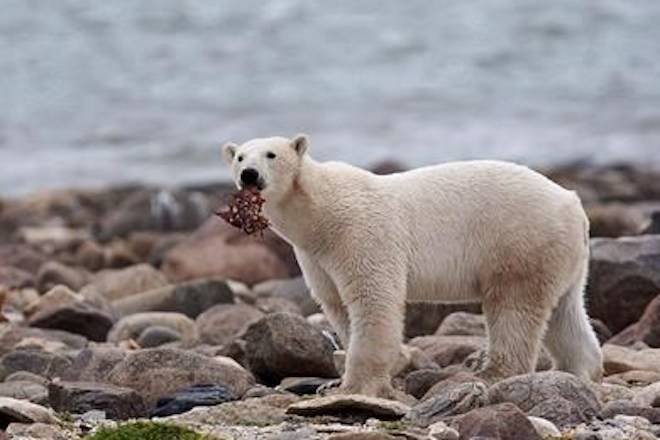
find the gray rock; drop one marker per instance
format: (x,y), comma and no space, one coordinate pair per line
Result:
(34,361)
(222,323)
(457,398)
(24,390)
(418,382)
(54,273)
(80,397)
(354,404)
(448,350)
(424,318)
(190,298)
(37,431)
(282,345)
(26,376)
(559,397)
(130,327)
(158,372)
(277,305)
(499,422)
(191,397)
(303,385)
(628,408)
(624,277)
(157,335)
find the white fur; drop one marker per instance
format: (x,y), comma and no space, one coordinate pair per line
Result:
(482,231)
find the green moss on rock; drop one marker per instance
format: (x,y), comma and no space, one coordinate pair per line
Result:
(148,431)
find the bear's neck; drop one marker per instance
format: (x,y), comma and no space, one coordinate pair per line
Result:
(302,216)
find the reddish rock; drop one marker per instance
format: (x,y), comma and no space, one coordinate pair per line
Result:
(498,422)
(220,324)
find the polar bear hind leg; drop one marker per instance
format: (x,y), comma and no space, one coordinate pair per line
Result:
(571,339)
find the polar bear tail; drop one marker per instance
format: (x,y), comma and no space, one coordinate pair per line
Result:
(570,338)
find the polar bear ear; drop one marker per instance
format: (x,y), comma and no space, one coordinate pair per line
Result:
(300,144)
(228,152)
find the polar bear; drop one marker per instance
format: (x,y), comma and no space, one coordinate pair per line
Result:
(479,231)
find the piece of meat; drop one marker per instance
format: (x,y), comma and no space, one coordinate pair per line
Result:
(244,211)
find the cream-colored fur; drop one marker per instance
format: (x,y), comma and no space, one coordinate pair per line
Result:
(481,231)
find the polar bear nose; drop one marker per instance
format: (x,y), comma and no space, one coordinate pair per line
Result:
(249,176)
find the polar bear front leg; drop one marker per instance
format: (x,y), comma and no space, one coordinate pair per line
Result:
(324,292)
(376,312)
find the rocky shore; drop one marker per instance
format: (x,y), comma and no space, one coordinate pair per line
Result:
(139,303)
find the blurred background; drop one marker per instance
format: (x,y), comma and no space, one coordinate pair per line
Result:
(99,93)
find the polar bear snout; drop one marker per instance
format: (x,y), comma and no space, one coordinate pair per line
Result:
(251,177)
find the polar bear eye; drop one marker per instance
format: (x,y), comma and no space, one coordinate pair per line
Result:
(240,158)
(271,155)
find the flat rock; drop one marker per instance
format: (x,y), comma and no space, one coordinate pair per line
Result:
(350,403)
(283,345)
(303,385)
(81,318)
(190,298)
(80,397)
(628,408)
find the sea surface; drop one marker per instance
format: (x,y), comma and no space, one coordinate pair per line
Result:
(94,93)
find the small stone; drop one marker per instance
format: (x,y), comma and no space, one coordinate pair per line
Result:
(114,284)
(462,324)
(420,381)
(499,422)
(303,385)
(440,431)
(54,273)
(130,327)
(545,428)
(292,289)
(222,323)
(457,398)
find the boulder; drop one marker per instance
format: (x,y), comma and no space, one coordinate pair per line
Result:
(560,397)
(498,422)
(191,397)
(157,335)
(114,284)
(159,372)
(222,323)
(293,289)
(617,359)
(282,345)
(354,404)
(190,298)
(80,397)
(624,277)
(131,326)
(217,249)
(646,330)
(53,273)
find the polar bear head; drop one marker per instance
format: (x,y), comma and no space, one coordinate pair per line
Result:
(270,164)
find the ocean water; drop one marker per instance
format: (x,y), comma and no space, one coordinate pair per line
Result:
(98,93)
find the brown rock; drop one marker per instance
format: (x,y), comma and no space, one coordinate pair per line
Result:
(277,305)
(218,250)
(627,408)
(14,278)
(634,378)
(220,324)
(646,330)
(91,255)
(623,280)
(499,422)
(12,335)
(131,326)
(424,318)
(617,359)
(462,324)
(81,318)
(292,289)
(420,381)
(453,399)
(21,256)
